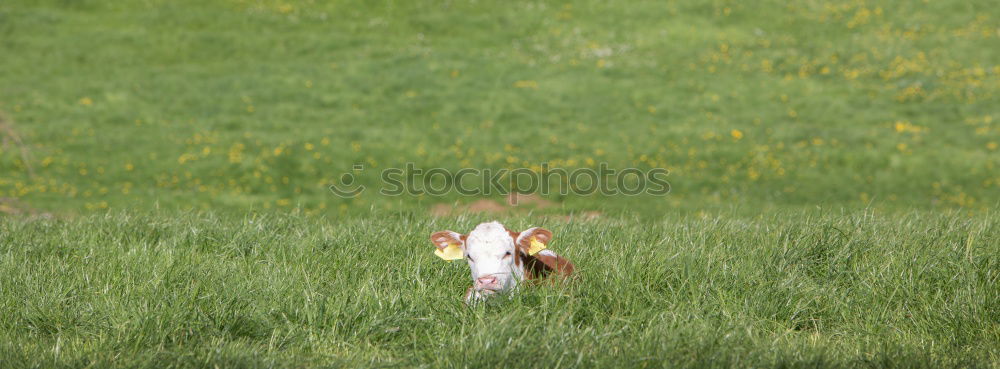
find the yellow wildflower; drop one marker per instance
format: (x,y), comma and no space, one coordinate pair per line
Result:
(526,84)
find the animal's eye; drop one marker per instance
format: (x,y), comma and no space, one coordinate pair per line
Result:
(507,254)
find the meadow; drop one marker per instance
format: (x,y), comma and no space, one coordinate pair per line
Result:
(280,291)
(165,170)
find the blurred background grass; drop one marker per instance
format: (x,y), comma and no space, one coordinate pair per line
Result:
(237,105)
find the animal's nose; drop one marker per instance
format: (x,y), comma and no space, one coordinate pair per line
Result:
(486,281)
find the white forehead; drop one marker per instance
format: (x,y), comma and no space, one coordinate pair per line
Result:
(490,236)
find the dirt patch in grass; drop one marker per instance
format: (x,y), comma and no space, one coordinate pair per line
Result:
(515,204)
(9,136)
(14,207)
(475,207)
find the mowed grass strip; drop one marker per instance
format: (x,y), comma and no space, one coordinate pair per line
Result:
(792,290)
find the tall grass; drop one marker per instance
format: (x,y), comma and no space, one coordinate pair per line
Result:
(794,290)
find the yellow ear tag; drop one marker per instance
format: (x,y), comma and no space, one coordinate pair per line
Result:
(452,252)
(536,246)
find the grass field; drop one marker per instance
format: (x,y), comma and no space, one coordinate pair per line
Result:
(779,291)
(165,170)
(235,105)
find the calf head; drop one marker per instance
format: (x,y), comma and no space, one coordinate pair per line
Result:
(496,255)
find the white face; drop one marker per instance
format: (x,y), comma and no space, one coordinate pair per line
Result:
(489,250)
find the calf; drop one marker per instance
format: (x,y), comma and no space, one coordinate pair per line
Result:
(500,258)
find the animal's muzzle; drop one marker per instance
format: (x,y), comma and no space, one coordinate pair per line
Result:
(488,282)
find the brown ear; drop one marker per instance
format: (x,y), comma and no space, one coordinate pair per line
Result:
(556,263)
(513,235)
(523,239)
(444,239)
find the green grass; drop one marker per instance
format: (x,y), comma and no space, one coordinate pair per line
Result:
(833,165)
(843,290)
(229,105)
